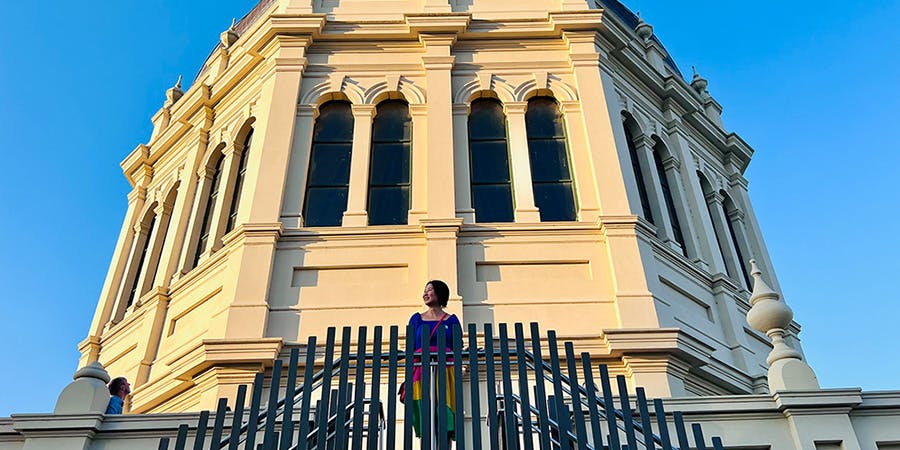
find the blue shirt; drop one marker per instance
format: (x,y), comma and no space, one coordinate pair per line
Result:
(417,323)
(115,405)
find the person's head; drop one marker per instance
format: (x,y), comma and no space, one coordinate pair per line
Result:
(436,293)
(119,387)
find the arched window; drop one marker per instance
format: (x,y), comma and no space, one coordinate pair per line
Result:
(489,157)
(206,224)
(677,234)
(389,170)
(547,150)
(730,212)
(145,246)
(239,184)
(329,166)
(638,175)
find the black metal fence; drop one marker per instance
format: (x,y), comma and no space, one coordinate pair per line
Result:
(503,394)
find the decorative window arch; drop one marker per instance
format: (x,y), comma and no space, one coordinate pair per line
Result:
(389,168)
(491,183)
(239,183)
(551,173)
(329,166)
(630,126)
(209,207)
(677,232)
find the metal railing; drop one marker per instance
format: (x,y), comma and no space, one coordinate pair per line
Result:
(504,395)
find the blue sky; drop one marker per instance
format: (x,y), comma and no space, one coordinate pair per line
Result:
(812,86)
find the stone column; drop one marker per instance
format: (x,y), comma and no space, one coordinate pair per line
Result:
(223,200)
(295,192)
(420,153)
(438,62)
(520,163)
(357,212)
(584,179)
(717,215)
(708,255)
(147,274)
(672,167)
(141,234)
(736,217)
(174,246)
(654,192)
(205,176)
(462,183)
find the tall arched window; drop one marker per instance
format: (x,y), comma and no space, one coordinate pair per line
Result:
(549,156)
(489,158)
(145,246)
(329,166)
(730,211)
(638,175)
(206,224)
(677,233)
(389,170)
(239,184)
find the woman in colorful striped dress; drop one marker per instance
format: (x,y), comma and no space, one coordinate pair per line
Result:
(435,319)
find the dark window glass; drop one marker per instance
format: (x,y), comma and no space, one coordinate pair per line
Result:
(489,158)
(145,246)
(670,202)
(239,184)
(389,168)
(638,176)
(737,250)
(206,225)
(329,166)
(550,170)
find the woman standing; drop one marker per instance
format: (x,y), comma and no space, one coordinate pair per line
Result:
(437,320)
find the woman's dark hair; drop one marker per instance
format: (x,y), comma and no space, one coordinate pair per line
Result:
(441,290)
(116,385)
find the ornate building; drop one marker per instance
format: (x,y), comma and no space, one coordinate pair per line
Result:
(546,158)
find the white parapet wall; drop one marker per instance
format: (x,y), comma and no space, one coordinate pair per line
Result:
(846,419)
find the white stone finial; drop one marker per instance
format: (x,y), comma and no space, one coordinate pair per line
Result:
(173,93)
(699,83)
(771,315)
(229,36)
(87,393)
(643,29)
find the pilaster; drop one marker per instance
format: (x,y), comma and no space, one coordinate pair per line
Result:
(654,192)
(301,148)
(357,212)
(523,191)
(605,135)
(438,63)
(672,172)
(627,252)
(582,168)
(419,183)
(755,239)
(717,215)
(227,185)
(462,183)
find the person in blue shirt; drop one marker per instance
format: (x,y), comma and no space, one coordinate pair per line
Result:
(118,389)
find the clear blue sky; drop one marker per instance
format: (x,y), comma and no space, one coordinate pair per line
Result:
(811,85)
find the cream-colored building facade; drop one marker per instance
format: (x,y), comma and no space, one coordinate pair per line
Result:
(216,272)
(331,157)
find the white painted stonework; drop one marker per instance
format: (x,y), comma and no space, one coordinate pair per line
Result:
(671,316)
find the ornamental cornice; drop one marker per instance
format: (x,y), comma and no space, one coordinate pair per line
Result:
(445,23)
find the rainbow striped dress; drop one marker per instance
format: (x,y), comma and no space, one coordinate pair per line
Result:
(446,326)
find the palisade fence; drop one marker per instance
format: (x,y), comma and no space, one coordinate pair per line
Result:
(514,399)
